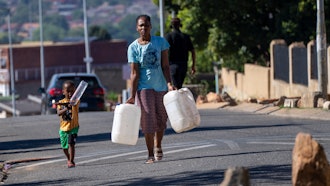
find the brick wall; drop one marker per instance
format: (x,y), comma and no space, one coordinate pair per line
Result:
(292,73)
(63,57)
(62,54)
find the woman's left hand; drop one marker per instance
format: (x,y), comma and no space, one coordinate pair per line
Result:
(170,87)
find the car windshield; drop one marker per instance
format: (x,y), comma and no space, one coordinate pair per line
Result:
(92,81)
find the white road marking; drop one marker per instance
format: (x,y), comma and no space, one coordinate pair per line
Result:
(180,150)
(115,155)
(231,144)
(323,139)
(270,143)
(109,157)
(41,163)
(194,145)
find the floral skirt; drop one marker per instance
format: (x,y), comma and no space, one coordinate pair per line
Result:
(153,113)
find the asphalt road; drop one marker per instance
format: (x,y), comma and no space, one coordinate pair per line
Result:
(226,138)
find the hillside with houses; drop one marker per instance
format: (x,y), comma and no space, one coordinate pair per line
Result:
(63,19)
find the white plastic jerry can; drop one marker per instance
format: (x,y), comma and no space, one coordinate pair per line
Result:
(181,110)
(126,124)
(78,92)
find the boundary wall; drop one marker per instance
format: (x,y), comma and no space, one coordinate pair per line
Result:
(292,73)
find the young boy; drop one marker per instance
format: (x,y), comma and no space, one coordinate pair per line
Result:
(69,123)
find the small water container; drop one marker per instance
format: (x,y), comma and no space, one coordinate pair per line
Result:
(126,124)
(181,110)
(78,92)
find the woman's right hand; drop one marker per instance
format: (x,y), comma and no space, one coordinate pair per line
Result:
(131,100)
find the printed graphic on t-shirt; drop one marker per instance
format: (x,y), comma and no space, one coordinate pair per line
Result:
(149,59)
(67,116)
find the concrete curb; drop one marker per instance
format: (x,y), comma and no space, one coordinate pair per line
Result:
(306,113)
(3,172)
(5,166)
(212,105)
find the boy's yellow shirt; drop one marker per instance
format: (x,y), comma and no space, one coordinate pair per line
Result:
(74,122)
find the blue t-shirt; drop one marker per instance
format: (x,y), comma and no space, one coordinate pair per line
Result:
(149,59)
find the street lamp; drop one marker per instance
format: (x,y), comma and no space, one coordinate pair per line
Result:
(12,79)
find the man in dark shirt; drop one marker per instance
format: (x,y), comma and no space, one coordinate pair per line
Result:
(180,45)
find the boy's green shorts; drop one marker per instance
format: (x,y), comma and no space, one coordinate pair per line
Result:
(68,137)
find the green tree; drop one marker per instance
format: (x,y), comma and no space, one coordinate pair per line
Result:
(240,31)
(112,29)
(56,20)
(126,29)
(28,11)
(14,38)
(76,32)
(3,38)
(3,13)
(129,33)
(95,3)
(78,14)
(99,32)
(51,33)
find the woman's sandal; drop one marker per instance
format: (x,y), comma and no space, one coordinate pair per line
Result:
(158,154)
(70,164)
(150,160)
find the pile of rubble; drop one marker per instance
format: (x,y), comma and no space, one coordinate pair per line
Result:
(212,97)
(3,171)
(309,165)
(307,100)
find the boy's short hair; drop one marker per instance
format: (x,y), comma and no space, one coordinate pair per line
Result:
(69,82)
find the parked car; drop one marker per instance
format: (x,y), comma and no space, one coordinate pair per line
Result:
(93,98)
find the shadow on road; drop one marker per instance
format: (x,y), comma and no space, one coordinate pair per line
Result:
(262,175)
(52,182)
(37,143)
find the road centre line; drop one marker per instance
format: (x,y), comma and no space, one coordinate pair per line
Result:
(322,139)
(41,163)
(179,150)
(282,143)
(231,144)
(109,157)
(87,161)
(270,143)
(62,159)
(130,149)
(131,153)
(106,153)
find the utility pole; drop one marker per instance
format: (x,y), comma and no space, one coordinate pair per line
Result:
(88,59)
(12,76)
(161,16)
(42,63)
(321,42)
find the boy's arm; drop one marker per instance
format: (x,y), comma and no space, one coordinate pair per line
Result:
(62,109)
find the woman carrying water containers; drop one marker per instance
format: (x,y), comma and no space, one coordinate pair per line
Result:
(150,81)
